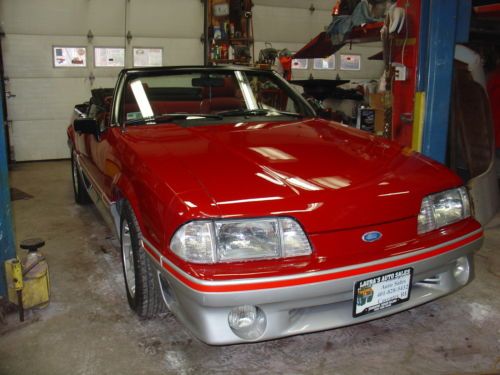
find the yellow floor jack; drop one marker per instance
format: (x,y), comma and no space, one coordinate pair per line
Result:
(28,281)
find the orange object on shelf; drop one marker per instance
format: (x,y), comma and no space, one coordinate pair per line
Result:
(286,63)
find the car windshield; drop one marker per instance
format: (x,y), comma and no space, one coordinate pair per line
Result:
(205,96)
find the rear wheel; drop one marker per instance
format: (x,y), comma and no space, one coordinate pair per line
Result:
(81,195)
(143,292)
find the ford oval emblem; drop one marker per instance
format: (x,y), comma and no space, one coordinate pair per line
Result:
(371,236)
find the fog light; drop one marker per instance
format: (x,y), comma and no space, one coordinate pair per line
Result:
(248,322)
(462,270)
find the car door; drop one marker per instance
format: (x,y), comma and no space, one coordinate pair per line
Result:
(100,160)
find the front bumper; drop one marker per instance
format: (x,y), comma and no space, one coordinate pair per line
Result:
(323,303)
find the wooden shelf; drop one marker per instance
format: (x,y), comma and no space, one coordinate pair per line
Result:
(232,25)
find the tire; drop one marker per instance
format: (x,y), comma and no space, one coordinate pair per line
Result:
(143,292)
(79,190)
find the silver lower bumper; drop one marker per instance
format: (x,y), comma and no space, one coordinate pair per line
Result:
(305,308)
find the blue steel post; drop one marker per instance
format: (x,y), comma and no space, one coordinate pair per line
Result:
(7,249)
(448,22)
(463,20)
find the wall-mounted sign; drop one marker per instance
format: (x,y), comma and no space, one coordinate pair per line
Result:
(72,57)
(300,63)
(109,57)
(328,63)
(350,62)
(148,57)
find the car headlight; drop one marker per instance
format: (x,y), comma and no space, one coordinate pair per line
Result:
(205,241)
(441,209)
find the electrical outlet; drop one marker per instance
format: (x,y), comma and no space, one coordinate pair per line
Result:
(400,72)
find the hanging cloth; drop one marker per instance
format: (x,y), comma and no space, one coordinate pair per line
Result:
(342,24)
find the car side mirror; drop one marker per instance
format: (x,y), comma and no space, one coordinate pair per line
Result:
(86,126)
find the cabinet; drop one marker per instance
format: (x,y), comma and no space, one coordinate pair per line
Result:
(228,32)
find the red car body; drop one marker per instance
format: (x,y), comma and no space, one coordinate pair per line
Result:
(339,183)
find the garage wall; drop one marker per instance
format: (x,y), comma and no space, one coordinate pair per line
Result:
(290,24)
(44,96)
(370,69)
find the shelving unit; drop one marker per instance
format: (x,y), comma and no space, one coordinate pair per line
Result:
(228,32)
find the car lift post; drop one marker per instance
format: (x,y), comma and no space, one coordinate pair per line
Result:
(7,249)
(443,23)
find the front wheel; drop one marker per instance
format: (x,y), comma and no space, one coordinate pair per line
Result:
(143,293)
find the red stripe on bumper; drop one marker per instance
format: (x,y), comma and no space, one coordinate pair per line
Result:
(311,279)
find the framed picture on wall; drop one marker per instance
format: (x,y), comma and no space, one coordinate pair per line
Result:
(350,62)
(109,57)
(325,64)
(148,57)
(69,57)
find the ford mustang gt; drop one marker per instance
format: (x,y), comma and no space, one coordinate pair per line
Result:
(250,218)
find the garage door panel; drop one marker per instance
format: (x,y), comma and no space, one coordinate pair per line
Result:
(31,56)
(106,17)
(103,82)
(159,18)
(106,42)
(45,98)
(277,24)
(184,52)
(176,51)
(41,139)
(63,17)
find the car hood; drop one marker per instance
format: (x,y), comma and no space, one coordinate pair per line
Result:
(326,175)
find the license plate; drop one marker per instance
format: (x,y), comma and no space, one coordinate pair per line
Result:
(381,292)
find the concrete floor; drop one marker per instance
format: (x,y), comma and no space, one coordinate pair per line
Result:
(89,329)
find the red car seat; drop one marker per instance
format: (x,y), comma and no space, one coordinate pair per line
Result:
(223,98)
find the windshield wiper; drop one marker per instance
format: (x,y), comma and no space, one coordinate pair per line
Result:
(258,112)
(172,116)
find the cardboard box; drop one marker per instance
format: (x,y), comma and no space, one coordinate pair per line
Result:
(376,101)
(379,122)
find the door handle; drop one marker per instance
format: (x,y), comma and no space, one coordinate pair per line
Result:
(9,94)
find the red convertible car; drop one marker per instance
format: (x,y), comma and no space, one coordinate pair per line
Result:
(249,218)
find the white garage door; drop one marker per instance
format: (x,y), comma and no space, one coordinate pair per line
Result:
(44,96)
(291,24)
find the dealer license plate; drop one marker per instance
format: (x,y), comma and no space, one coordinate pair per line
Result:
(381,292)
